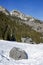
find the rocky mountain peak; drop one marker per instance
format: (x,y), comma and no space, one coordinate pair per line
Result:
(36,24)
(20,14)
(4,10)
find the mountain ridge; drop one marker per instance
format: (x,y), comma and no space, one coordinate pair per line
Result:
(13,27)
(4,10)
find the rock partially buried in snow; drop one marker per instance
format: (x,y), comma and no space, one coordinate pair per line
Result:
(18,54)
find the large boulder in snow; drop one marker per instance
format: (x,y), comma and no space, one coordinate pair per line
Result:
(18,54)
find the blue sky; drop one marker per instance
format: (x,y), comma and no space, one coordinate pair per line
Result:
(29,7)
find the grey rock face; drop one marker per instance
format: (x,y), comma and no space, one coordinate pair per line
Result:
(18,54)
(19,14)
(2,9)
(27,40)
(36,24)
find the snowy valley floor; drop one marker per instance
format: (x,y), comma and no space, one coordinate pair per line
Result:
(34,51)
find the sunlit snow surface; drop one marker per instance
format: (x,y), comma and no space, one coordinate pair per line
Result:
(34,51)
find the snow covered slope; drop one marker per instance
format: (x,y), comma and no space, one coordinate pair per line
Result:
(34,51)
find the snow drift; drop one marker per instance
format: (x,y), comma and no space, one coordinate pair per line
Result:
(34,52)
